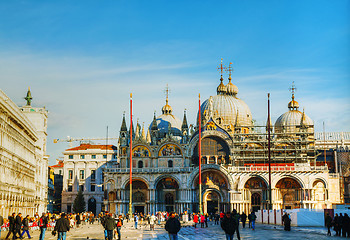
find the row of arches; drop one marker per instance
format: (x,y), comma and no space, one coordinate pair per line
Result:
(166,150)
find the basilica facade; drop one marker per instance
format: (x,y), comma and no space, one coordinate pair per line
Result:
(234,161)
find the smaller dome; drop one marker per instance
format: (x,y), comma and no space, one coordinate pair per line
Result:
(167,109)
(221,89)
(293,105)
(231,89)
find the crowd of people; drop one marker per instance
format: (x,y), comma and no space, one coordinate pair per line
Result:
(18,226)
(340,224)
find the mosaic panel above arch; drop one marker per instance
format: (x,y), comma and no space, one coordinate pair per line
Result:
(169,150)
(141,151)
(212,179)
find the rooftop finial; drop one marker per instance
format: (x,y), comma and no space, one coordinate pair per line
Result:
(229,70)
(29,97)
(221,68)
(167,91)
(292,89)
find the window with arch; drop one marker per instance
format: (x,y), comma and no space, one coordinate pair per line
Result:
(170,163)
(138,197)
(169,199)
(140,164)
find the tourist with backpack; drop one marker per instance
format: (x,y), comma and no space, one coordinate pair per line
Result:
(252,219)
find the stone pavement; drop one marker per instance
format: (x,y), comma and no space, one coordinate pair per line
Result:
(268,232)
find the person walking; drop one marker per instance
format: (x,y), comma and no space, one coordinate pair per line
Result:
(136,220)
(152,220)
(228,225)
(18,225)
(1,223)
(235,215)
(119,226)
(336,224)
(110,226)
(206,218)
(341,218)
(252,219)
(25,223)
(43,221)
(286,221)
(346,225)
(243,219)
(217,217)
(78,219)
(328,221)
(172,226)
(195,220)
(62,227)
(11,220)
(202,220)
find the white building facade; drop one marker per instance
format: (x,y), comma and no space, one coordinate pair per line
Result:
(23,159)
(83,170)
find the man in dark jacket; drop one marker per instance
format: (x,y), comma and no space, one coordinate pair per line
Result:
(109,226)
(62,227)
(18,225)
(25,223)
(229,226)
(172,226)
(329,221)
(243,219)
(11,225)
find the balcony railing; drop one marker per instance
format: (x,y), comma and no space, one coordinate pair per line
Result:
(296,168)
(149,170)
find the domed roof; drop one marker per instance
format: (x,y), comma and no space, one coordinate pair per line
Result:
(288,121)
(226,110)
(231,89)
(165,119)
(221,89)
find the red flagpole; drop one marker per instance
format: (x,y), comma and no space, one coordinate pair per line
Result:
(200,154)
(130,150)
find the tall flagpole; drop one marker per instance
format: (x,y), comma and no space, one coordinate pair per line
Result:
(130,150)
(269,147)
(200,155)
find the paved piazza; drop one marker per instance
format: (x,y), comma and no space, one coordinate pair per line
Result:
(95,232)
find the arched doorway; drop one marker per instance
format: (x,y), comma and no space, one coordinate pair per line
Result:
(211,202)
(112,196)
(290,190)
(214,191)
(139,195)
(166,194)
(258,192)
(92,205)
(214,150)
(320,194)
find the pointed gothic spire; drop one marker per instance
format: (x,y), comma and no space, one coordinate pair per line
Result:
(184,122)
(29,97)
(302,120)
(123,127)
(138,129)
(154,126)
(148,137)
(143,135)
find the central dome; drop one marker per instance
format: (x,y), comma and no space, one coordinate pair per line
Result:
(226,109)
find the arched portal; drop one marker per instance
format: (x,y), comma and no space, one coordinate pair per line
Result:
(290,190)
(257,190)
(214,191)
(92,205)
(139,195)
(166,194)
(211,201)
(214,150)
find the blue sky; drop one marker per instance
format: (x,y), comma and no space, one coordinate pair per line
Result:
(83,58)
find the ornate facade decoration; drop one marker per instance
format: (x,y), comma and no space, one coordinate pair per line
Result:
(234,161)
(23,159)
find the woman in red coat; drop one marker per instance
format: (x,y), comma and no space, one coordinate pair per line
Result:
(195,220)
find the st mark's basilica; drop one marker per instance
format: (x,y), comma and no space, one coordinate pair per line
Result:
(234,161)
